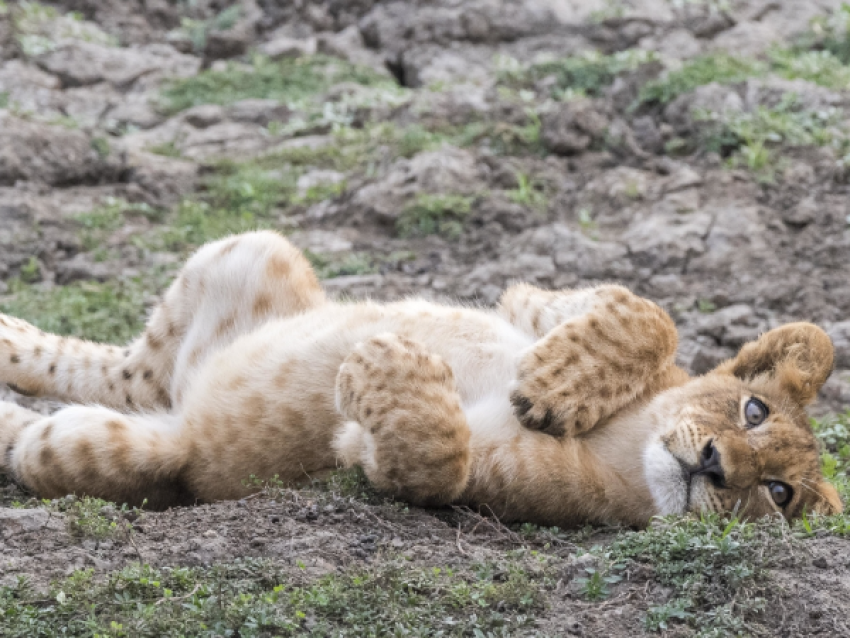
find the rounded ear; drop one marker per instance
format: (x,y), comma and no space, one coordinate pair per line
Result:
(797,355)
(830,502)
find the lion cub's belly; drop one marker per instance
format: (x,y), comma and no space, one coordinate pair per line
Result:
(266,402)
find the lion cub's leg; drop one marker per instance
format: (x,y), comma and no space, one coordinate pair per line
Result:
(227,288)
(594,362)
(96,452)
(406,429)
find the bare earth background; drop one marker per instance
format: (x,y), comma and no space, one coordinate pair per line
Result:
(697,151)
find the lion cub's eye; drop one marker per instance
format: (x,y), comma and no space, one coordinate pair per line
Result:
(780,493)
(755,412)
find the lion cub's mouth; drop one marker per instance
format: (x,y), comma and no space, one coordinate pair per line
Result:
(668,478)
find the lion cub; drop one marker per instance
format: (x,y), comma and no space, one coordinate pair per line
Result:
(561,407)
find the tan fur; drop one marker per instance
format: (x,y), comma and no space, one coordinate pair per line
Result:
(559,407)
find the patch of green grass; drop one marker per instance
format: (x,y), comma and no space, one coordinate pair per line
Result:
(586,74)
(718,67)
(831,33)
(253,598)
(99,222)
(329,266)
(753,138)
(715,567)
(528,192)
(166,149)
(106,312)
(198,30)
(434,214)
(291,80)
(95,518)
(834,435)
(39,28)
(819,67)
(4,99)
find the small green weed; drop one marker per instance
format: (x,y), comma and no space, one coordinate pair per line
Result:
(586,74)
(528,192)
(434,214)
(719,67)
(95,518)
(594,586)
(294,81)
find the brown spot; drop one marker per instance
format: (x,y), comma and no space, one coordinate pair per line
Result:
(52,369)
(262,306)
(126,374)
(126,353)
(14,359)
(47,431)
(277,267)
(37,351)
(225,326)
(111,386)
(227,248)
(148,375)
(47,456)
(129,401)
(153,342)
(115,426)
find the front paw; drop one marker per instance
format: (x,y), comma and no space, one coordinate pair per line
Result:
(536,415)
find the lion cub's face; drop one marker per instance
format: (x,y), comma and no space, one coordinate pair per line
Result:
(738,439)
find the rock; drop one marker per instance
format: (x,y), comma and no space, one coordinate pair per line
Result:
(204,115)
(771,92)
(285,47)
(164,179)
(667,240)
(29,88)
(802,214)
(85,63)
(83,267)
(576,253)
(573,127)
(748,39)
(821,563)
(233,40)
(136,110)
(677,44)
(840,335)
(423,65)
(226,139)
(14,521)
(258,111)
(736,241)
(318,178)
(54,155)
(711,98)
(647,135)
(348,44)
(683,177)
(448,170)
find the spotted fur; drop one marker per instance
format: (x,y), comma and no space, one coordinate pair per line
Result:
(559,407)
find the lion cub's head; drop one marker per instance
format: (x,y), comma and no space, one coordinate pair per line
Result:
(738,439)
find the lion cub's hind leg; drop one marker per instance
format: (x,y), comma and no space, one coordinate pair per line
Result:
(407,429)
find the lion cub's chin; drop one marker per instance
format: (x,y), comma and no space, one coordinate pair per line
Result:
(666,479)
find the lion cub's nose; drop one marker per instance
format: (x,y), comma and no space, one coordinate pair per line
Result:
(710,465)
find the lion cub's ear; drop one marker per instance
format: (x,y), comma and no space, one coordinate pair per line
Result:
(829,502)
(798,356)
